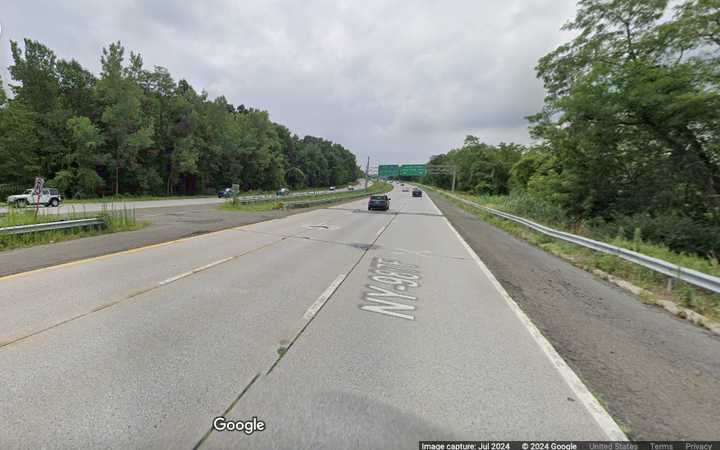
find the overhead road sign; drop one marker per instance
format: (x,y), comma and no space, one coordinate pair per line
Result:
(388,170)
(413,170)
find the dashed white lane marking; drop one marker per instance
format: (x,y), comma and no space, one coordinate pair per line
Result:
(196,270)
(596,411)
(315,307)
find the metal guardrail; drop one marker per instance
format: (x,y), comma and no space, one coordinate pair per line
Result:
(691,276)
(308,203)
(51,226)
(265,197)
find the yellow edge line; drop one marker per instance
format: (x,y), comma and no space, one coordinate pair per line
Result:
(125,252)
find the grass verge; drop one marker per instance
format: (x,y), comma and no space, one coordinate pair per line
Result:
(683,294)
(131,198)
(278,204)
(116,219)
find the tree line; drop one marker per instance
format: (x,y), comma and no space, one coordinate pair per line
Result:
(629,135)
(133,130)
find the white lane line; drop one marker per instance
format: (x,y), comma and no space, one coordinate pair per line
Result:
(603,419)
(432,203)
(195,270)
(315,307)
(175,278)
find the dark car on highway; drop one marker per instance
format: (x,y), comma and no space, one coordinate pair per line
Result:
(379,202)
(225,193)
(416,192)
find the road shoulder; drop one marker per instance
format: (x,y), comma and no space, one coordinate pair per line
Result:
(653,372)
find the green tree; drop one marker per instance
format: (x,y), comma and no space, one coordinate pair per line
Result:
(295,178)
(79,178)
(633,108)
(18,144)
(35,70)
(127,132)
(132,130)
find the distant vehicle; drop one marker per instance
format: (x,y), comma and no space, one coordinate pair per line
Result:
(405,189)
(225,193)
(402,184)
(351,188)
(283,191)
(380,202)
(332,188)
(416,192)
(48,197)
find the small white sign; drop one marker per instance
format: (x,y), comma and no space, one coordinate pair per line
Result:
(39,184)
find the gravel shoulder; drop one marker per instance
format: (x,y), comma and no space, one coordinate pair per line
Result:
(656,374)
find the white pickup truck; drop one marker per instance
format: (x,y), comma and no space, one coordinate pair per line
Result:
(47,197)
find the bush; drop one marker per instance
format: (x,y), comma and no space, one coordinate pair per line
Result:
(678,232)
(524,205)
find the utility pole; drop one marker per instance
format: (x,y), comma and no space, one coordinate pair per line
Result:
(367,173)
(453,182)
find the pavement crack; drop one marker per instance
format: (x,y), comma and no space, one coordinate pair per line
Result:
(284,349)
(227,411)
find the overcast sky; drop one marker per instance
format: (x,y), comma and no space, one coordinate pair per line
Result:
(394,80)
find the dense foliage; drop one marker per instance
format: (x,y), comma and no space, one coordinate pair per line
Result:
(629,136)
(481,168)
(138,131)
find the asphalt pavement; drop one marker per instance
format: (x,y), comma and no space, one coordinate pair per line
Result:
(657,374)
(337,327)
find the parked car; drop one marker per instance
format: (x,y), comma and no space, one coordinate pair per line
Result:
(332,188)
(379,202)
(416,192)
(351,188)
(283,191)
(48,197)
(225,193)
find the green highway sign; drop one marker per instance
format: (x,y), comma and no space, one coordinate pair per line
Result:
(388,170)
(405,170)
(413,170)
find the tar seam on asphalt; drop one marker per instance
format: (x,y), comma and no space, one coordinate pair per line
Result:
(297,335)
(388,213)
(349,272)
(359,245)
(225,413)
(129,297)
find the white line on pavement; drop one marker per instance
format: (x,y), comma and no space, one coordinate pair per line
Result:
(196,270)
(315,307)
(603,419)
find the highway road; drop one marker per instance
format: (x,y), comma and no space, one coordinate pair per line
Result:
(338,328)
(67,208)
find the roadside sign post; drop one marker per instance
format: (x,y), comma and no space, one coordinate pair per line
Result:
(367,173)
(39,184)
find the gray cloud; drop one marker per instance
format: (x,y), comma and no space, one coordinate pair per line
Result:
(398,81)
